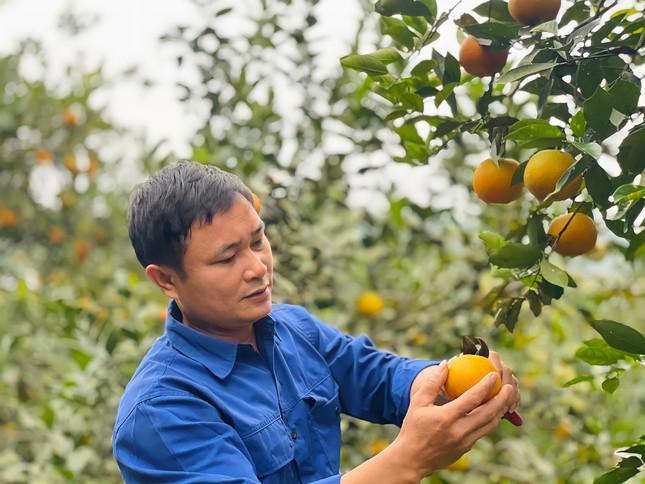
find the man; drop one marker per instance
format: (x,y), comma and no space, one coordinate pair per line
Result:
(241,390)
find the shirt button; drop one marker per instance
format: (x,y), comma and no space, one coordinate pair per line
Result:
(294,435)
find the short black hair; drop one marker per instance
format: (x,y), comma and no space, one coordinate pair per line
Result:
(163,209)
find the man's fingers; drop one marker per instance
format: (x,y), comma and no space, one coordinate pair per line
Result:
(428,393)
(476,395)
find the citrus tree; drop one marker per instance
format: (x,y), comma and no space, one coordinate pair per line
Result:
(78,313)
(578,65)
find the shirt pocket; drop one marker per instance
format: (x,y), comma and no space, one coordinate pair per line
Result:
(271,448)
(324,418)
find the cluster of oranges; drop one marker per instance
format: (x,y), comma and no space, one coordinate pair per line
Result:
(574,233)
(480,60)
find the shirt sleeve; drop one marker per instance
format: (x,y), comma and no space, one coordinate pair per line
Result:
(180,439)
(374,384)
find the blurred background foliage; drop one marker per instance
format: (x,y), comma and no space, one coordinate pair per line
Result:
(77,313)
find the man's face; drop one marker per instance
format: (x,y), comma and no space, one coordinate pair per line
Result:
(226,263)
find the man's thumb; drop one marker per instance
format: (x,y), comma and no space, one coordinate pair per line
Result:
(429,391)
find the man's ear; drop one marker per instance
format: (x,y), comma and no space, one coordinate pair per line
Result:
(164,278)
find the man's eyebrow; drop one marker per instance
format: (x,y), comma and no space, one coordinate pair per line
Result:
(233,245)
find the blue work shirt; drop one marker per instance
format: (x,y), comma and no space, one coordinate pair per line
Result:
(203,410)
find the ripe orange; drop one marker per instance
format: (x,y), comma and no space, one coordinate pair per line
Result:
(460,465)
(465,371)
(70,118)
(543,171)
(8,217)
(81,250)
(533,12)
(492,183)
(44,156)
(70,164)
(56,235)
(480,60)
(257,204)
(579,236)
(369,303)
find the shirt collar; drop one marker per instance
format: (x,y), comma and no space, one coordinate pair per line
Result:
(216,354)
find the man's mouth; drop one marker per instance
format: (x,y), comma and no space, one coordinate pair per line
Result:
(259,292)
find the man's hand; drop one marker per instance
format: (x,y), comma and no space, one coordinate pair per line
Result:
(434,436)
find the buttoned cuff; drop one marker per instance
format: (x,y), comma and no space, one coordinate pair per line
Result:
(404,377)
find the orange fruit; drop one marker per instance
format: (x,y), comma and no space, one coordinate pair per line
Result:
(480,60)
(257,204)
(81,250)
(492,183)
(8,217)
(578,238)
(369,303)
(460,465)
(465,371)
(44,156)
(70,118)
(70,164)
(93,166)
(533,12)
(56,235)
(543,171)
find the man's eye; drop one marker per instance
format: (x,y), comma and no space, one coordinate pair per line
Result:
(226,261)
(258,243)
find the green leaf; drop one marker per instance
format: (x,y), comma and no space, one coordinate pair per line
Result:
(588,77)
(423,67)
(625,96)
(610,385)
(578,124)
(81,358)
(598,185)
(403,7)
(535,231)
(571,173)
(396,114)
(592,149)
(364,63)
(597,352)
(495,10)
(630,155)
(550,27)
(577,12)
(499,33)
(444,93)
(554,274)
(48,416)
(509,312)
(533,129)
(549,291)
(628,192)
(578,379)
(409,133)
(412,101)
(620,473)
(535,304)
(492,241)
(620,336)
(386,56)
(398,30)
(419,24)
(518,175)
(597,109)
(524,71)
(515,255)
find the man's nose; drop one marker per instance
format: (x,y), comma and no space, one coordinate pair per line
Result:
(256,268)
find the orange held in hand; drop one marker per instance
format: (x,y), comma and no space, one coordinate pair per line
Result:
(533,12)
(480,60)
(465,371)
(492,183)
